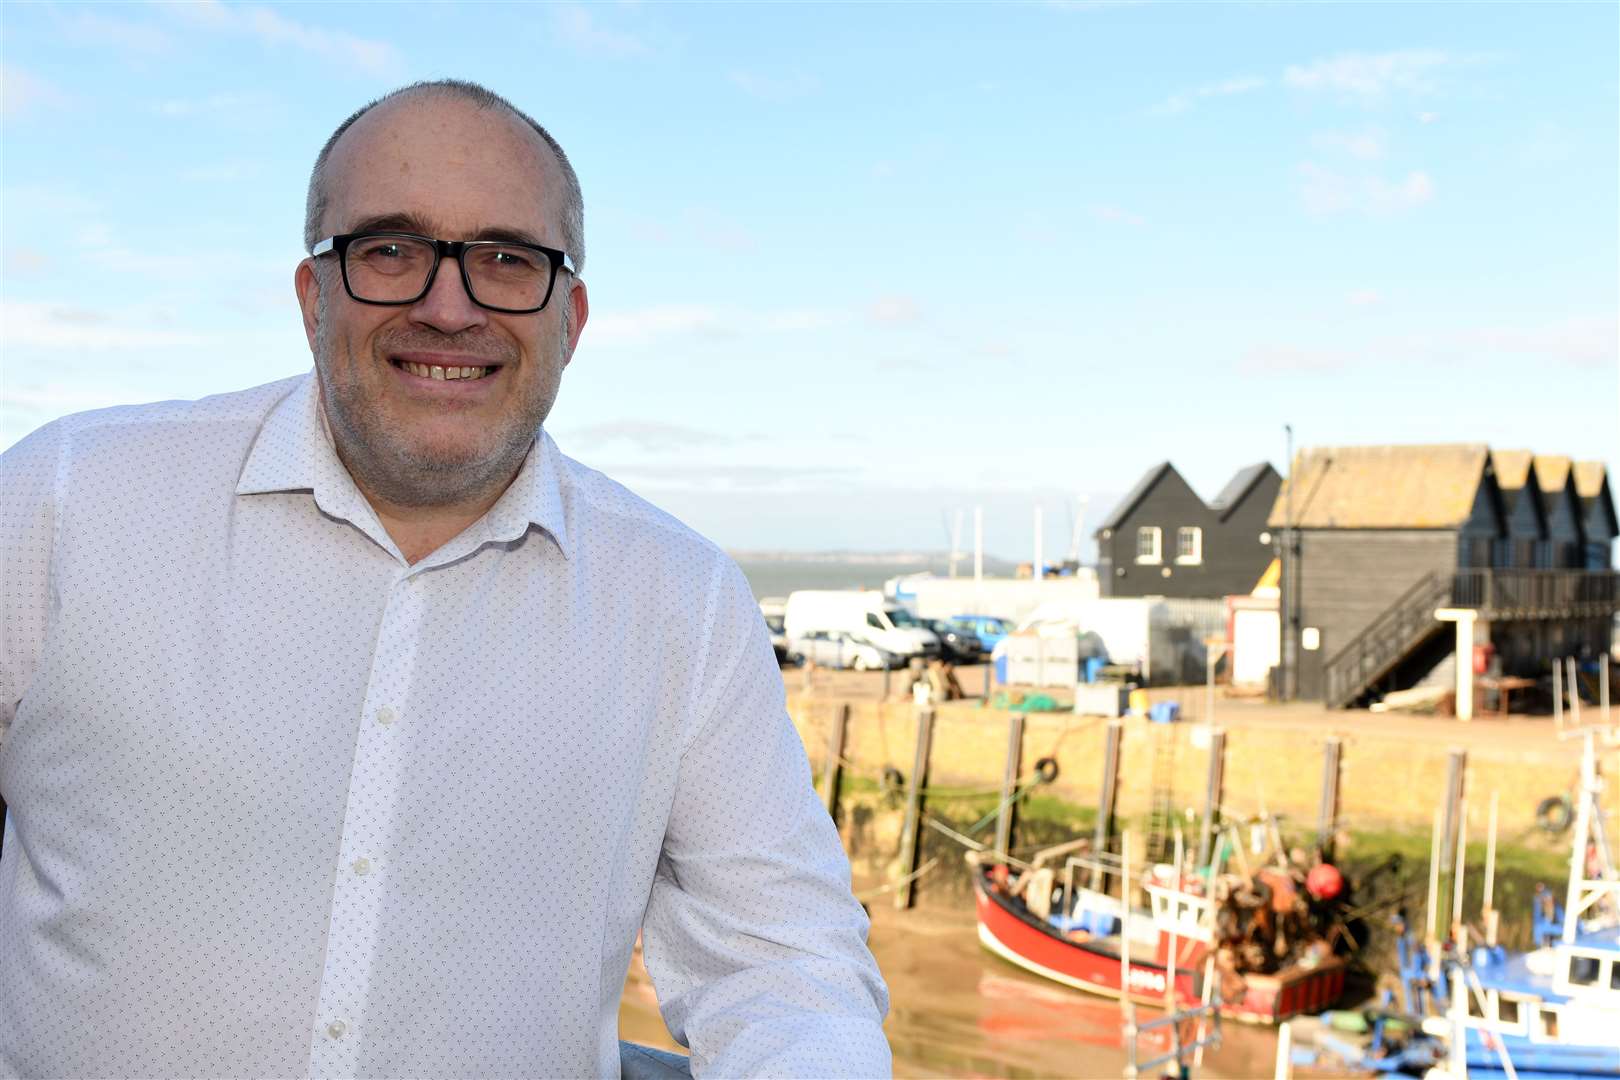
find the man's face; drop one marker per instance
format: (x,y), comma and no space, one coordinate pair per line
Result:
(446,169)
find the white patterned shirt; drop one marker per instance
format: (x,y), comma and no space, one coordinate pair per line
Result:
(283,804)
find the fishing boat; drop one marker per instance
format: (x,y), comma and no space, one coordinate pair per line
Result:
(1246,943)
(1551,1012)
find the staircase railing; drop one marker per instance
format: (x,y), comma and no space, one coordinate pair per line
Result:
(1387,639)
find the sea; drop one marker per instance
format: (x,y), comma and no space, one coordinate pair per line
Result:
(777,573)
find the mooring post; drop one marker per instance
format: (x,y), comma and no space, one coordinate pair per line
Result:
(989,667)
(1107,801)
(1007,814)
(1603,689)
(1574,692)
(1558,696)
(1212,795)
(1456,767)
(911,829)
(1327,818)
(832,772)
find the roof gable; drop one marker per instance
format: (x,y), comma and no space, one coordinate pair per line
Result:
(1134,497)
(1591,481)
(1383,487)
(1242,485)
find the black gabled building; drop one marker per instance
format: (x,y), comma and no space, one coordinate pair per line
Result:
(1163,540)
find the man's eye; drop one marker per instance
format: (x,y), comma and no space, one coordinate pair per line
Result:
(507,259)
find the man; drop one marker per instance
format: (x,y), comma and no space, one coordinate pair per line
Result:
(354,730)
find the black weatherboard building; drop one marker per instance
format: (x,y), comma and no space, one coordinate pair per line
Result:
(1163,540)
(1384,537)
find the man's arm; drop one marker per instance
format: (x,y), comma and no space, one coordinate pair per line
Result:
(755,944)
(28,474)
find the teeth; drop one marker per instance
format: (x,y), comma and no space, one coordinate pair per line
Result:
(424,371)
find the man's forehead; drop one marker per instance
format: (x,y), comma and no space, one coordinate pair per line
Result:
(436,158)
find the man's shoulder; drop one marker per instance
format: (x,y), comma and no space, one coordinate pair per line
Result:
(106,429)
(601,503)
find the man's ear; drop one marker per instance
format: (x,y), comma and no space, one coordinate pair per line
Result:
(579,309)
(308,287)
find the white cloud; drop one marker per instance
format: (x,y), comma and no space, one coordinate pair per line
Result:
(894,309)
(776,88)
(1323,191)
(1362,145)
(1581,341)
(348,51)
(125,35)
(662,322)
(1181,102)
(1115,215)
(57,326)
(213,103)
(577,26)
(1427,117)
(651,436)
(1369,76)
(1363,297)
(1588,341)
(22,92)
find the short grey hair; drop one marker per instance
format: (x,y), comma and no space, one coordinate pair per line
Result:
(573,209)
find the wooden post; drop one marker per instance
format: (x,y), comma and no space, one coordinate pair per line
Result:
(1603,689)
(1285,1051)
(911,830)
(1327,816)
(1007,814)
(1492,919)
(1558,696)
(1574,692)
(1456,767)
(832,772)
(1108,799)
(1459,932)
(1431,942)
(1212,795)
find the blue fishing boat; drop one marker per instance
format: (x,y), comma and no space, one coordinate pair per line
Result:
(1554,1011)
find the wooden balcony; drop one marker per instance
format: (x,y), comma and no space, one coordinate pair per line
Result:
(1537,594)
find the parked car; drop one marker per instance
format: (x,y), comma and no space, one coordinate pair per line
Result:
(864,613)
(989,628)
(839,649)
(956,644)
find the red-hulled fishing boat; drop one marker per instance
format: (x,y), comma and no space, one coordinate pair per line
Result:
(1224,939)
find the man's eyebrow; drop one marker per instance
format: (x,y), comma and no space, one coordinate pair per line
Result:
(413,223)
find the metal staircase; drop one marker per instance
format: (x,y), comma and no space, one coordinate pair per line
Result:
(1389,639)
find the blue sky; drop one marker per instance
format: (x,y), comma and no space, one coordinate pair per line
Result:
(853,267)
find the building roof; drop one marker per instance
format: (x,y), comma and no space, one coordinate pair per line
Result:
(1552,471)
(1238,488)
(1383,487)
(1589,477)
(1135,495)
(1512,468)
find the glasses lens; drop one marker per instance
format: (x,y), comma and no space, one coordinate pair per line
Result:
(508,276)
(388,268)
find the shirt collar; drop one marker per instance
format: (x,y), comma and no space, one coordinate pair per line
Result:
(294,452)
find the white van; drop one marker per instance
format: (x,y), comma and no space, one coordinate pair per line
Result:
(861,613)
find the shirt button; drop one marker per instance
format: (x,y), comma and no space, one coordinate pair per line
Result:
(362,866)
(386,715)
(336,1029)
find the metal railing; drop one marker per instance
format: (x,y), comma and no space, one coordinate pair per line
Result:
(1538,594)
(1393,634)
(1495,594)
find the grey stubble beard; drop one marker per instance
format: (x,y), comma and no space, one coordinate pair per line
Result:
(386,464)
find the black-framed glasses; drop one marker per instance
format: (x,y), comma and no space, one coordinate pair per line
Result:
(398,268)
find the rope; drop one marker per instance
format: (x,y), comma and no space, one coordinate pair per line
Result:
(919,872)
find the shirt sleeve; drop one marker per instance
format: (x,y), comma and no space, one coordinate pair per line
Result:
(754,941)
(28,474)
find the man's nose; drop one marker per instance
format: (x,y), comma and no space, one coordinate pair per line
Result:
(446,306)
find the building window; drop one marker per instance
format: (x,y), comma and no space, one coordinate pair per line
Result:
(1147,544)
(1189,544)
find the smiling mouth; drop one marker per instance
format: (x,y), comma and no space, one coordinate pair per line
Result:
(442,373)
